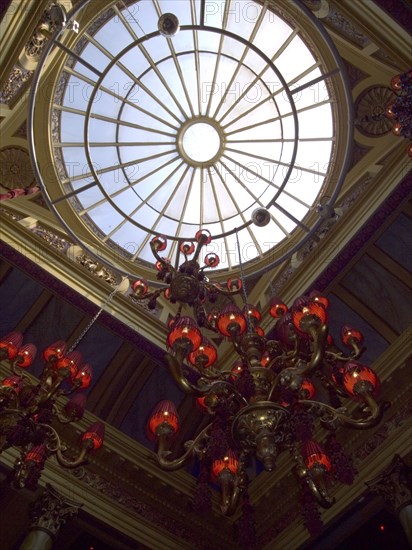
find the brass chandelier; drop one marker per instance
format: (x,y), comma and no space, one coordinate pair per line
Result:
(267,401)
(33,412)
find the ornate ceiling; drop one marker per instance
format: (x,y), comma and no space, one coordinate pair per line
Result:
(360,258)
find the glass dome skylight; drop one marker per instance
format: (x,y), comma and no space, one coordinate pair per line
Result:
(156,135)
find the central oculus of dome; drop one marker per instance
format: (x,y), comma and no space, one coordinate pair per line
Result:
(200,142)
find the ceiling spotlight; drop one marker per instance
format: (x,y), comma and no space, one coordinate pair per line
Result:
(168,25)
(260,217)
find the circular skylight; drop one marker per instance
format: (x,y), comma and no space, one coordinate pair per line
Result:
(156,135)
(200,143)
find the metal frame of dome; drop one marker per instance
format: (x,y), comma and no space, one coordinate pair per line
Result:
(124,266)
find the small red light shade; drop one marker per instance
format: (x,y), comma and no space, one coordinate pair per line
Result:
(234,284)
(10,343)
(356,376)
(396,82)
(389,111)
(204,236)
(159,243)
(230,461)
(396,129)
(94,435)
(237,369)
(76,406)
(72,361)
(163,415)
(26,355)
(205,355)
(14,382)
(140,287)
(277,308)
(187,248)
(37,454)
(312,308)
(319,298)
(348,333)
(212,260)
(55,351)
(254,314)
(231,320)
(200,403)
(184,332)
(259,331)
(409,149)
(265,360)
(314,455)
(307,388)
(85,375)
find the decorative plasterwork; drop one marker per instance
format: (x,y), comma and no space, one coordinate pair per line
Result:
(346,28)
(370,117)
(15,84)
(15,168)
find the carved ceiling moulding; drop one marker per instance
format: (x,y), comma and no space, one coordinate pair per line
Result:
(25,66)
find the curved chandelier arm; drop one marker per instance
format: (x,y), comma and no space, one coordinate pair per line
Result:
(54,445)
(161,260)
(316,486)
(319,336)
(320,493)
(193,447)
(175,367)
(230,492)
(375,416)
(176,371)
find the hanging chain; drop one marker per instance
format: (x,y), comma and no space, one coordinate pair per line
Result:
(242,278)
(96,316)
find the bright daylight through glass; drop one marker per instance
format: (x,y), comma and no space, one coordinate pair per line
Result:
(166,136)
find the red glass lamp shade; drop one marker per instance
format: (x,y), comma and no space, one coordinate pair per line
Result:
(319,298)
(14,382)
(229,461)
(265,360)
(84,375)
(259,331)
(277,308)
(396,83)
(9,345)
(184,333)
(200,403)
(307,388)
(231,320)
(159,243)
(314,455)
(212,260)
(25,355)
(72,362)
(359,378)
(254,314)
(203,236)
(94,435)
(55,351)
(140,287)
(187,248)
(164,416)
(76,406)
(234,284)
(205,355)
(37,454)
(348,333)
(312,308)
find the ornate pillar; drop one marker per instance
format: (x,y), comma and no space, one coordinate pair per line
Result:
(48,513)
(394,484)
